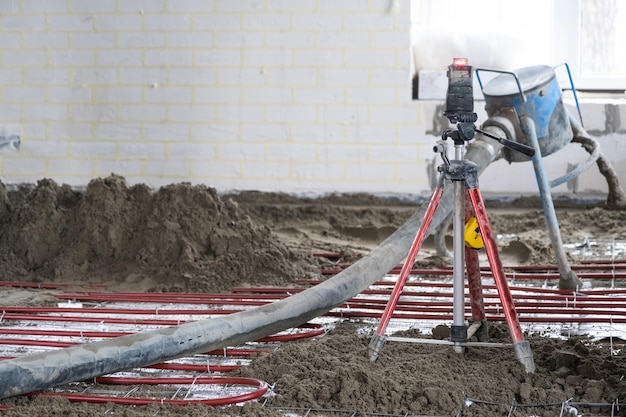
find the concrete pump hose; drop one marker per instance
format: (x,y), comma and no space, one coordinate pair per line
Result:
(83,362)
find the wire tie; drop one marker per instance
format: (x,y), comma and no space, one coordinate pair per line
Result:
(611,334)
(128,394)
(190,386)
(188,392)
(176,393)
(511,409)
(2,317)
(613,276)
(224,350)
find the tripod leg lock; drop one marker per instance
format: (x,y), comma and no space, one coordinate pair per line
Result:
(458,333)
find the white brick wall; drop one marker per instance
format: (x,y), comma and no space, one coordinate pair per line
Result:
(284,95)
(237,94)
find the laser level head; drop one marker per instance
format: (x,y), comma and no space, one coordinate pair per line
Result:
(460,93)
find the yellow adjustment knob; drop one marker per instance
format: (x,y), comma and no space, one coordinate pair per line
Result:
(473,239)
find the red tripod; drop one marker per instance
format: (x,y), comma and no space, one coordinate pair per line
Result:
(464,175)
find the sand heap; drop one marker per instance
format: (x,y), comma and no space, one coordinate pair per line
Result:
(179,238)
(334,372)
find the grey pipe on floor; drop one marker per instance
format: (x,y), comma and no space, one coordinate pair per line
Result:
(82,362)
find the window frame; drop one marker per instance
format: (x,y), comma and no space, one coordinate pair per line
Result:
(566,49)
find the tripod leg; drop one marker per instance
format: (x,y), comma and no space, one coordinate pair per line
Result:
(458,330)
(475,286)
(522,348)
(378,340)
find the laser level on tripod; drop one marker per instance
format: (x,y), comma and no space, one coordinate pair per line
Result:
(468,204)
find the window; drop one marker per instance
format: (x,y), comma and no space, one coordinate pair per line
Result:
(588,35)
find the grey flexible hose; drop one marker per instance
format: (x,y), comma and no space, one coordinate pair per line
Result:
(616,198)
(82,362)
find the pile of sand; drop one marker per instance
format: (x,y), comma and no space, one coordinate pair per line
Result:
(179,238)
